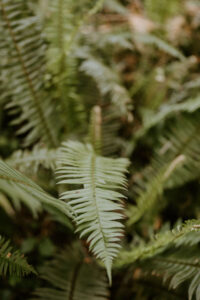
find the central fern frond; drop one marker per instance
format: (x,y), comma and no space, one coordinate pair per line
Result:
(96,206)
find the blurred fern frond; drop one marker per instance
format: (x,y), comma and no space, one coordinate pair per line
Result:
(12,262)
(20,188)
(153,188)
(150,39)
(24,160)
(179,150)
(96,206)
(71,276)
(158,244)
(108,82)
(23,66)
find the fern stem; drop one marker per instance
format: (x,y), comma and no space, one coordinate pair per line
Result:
(74,280)
(28,79)
(96,129)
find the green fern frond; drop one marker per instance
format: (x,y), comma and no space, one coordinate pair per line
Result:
(158,245)
(63,64)
(167,111)
(178,269)
(154,187)
(12,261)
(31,160)
(73,277)
(150,39)
(96,206)
(108,82)
(179,150)
(20,188)
(183,139)
(23,68)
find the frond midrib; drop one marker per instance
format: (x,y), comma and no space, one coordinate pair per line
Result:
(93,185)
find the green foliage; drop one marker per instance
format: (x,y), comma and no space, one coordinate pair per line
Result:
(72,276)
(23,50)
(12,261)
(24,160)
(94,206)
(158,244)
(20,188)
(112,82)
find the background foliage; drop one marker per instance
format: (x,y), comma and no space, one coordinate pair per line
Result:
(100,149)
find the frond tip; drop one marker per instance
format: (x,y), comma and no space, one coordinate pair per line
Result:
(96,206)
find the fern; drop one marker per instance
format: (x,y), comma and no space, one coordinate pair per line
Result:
(178,269)
(158,245)
(23,51)
(165,112)
(178,152)
(95,204)
(12,262)
(108,82)
(20,188)
(71,276)
(151,39)
(153,188)
(28,160)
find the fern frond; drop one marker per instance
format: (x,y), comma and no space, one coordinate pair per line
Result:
(179,150)
(150,39)
(108,82)
(168,111)
(12,261)
(23,51)
(154,187)
(179,269)
(95,204)
(24,160)
(182,138)
(158,245)
(63,64)
(72,277)
(20,188)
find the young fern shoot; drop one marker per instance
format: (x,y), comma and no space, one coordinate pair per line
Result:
(96,206)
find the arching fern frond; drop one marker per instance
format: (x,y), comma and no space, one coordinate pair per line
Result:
(108,81)
(154,186)
(182,138)
(20,188)
(23,68)
(12,261)
(96,206)
(157,245)
(150,39)
(178,269)
(167,111)
(31,160)
(178,151)
(72,277)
